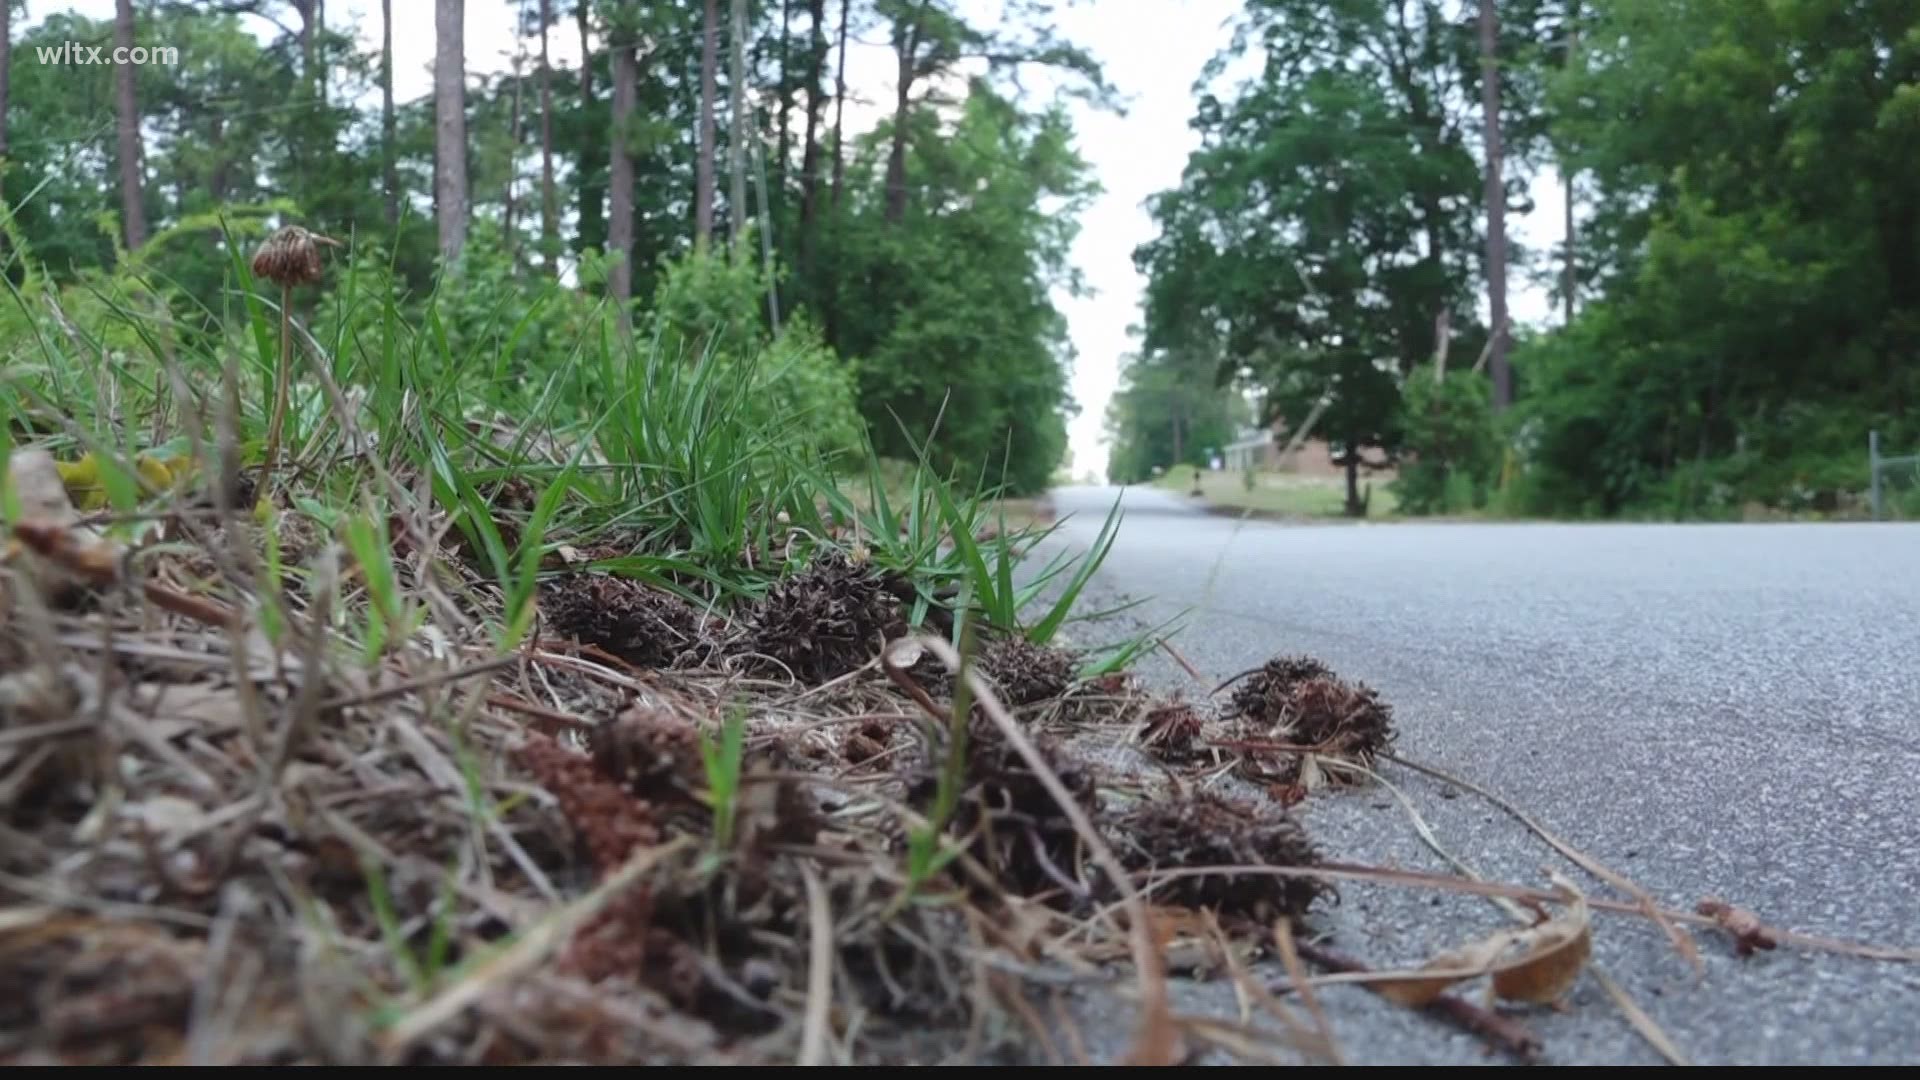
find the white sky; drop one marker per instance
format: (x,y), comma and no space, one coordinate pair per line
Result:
(1151,50)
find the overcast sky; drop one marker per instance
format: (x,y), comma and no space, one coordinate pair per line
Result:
(1152,51)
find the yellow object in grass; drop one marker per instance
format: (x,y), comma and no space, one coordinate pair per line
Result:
(89,492)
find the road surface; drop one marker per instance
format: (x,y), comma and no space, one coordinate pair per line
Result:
(1714,709)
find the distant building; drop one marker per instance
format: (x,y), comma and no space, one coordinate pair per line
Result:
(1261,448)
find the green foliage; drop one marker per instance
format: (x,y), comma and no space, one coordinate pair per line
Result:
(1754,245)
(1167,408)
(955,326)
(1327,219)
(709,306)
(721,758)
(936,295)
(1451,455)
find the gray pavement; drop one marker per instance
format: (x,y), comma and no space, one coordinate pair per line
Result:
(1712,709)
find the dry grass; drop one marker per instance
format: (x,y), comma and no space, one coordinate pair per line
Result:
(232,839)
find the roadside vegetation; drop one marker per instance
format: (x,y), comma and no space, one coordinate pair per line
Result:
(1726,325)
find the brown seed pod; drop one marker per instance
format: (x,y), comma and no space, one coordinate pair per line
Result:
(291,256)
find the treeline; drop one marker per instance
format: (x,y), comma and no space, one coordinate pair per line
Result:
(1735,280)
(698,171)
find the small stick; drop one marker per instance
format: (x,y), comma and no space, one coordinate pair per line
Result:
(1682,942)
(1503,1033)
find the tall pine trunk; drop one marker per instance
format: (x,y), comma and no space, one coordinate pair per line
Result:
(840,108)
(1570,276)
(620,182)
(549,204)
(132,202)
(450,126)
(810,154)
(389,168)
(6,66)
(513,162)
(593,219)
(784,142)
(1496,205)
(703,166)
(738,135)
(906,45)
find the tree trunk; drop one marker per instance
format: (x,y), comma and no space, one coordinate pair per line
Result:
(1570,284)
(6,66)
(309,63)
(785,140)
(620,183)
(592,213)
(737,137)
(549,204)
(1570,272)
(1496,205)
(513,160)
(840,108)
(217,140)
(132,205)
(905,45)
(810,153)
(389,168)
(1354,507)
(703,168)
(450,126)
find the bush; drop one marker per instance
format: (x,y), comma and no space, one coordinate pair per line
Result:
(708,305)
(1450,451)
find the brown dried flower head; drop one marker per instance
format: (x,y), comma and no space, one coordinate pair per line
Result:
(291,256)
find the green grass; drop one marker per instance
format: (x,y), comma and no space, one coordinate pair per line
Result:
(674,456)
(1280,493)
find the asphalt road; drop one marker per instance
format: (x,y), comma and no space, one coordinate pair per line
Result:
(1715,709)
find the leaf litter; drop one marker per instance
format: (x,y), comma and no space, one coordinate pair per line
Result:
(652,834)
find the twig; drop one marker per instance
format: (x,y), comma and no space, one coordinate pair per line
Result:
(523,955)
(423,682)
(1648,1028)
(1182,661)
(1153,1044)
(1503,1033)
(1231,679)
(1290,958)
(813,1040)
(1339,871)
(198,608)
(1681,941)
(539,712)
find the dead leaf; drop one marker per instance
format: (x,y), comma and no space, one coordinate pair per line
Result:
(1312,779)
(38,486)
(905,653)
(166,816)
(1749,933)
(1459,964)
(1555,951)
(1536,965)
